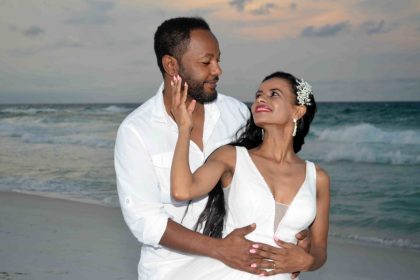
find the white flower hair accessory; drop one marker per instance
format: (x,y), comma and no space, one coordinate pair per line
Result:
(304,89)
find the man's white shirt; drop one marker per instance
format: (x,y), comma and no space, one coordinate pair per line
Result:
(144,149)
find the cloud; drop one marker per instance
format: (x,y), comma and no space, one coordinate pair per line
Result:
(64,43)
(372,27)
(239,5)
(96,13)
(203,12)
(33,31)
(264,9)
(328,30)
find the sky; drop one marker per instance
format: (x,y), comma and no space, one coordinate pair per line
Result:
(101,51)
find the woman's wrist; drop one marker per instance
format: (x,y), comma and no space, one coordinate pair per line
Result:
(184,129)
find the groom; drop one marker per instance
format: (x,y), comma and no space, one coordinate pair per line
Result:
(144,149)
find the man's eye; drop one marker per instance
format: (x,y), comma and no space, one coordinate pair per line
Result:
(275,93)
(206,62)
(257,95)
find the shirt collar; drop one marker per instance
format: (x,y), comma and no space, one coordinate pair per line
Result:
(159,113)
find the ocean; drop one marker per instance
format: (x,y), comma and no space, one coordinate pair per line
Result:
(370,150)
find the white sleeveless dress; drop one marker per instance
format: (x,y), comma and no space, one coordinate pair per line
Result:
(248,200)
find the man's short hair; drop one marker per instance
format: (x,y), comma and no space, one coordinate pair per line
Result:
(173,37)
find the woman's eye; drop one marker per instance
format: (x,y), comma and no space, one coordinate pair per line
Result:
(206,62)
(257,95)
(273,93)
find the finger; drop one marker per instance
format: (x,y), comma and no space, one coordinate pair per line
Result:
(273,272)
(282,243)
(295,275)
(175,97)
(191,107)
(267,248)
(302,234)
(252,268)
(264,254)
(255,270)
(178,90)
(264,264)
(185,93)
(245,230)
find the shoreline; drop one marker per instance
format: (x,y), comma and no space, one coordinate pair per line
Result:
(355,239)
(50,238)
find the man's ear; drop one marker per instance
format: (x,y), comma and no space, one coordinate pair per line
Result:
(300,111)
(170,65)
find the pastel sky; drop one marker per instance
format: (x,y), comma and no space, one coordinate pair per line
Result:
(102,50)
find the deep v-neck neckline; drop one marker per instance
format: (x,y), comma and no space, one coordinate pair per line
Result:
(267,187)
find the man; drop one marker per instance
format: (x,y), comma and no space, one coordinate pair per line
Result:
(144,149)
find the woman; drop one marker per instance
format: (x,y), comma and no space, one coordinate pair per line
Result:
(263,179)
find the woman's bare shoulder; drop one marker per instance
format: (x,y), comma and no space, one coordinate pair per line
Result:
(226,154)
(322,177)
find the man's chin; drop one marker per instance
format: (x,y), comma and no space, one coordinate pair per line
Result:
(203,96)
(207,97)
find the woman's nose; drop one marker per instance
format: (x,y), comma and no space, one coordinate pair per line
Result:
(260,99)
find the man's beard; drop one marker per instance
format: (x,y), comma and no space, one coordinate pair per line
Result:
(196,90)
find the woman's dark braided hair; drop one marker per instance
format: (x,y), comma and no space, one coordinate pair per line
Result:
(250,137)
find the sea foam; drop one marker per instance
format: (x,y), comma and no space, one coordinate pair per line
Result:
(367,133)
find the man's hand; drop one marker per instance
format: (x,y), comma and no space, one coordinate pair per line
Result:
(234,251)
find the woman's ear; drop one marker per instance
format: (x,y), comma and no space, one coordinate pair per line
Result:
(170,65)
(300,111)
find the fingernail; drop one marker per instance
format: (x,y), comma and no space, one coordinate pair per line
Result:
(255,246)
(172,83)
(276,238)
(262,274)
(253,251)
(254,265)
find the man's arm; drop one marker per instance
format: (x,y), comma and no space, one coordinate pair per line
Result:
(149,222)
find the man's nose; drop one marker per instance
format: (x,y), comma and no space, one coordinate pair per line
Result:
(216,70)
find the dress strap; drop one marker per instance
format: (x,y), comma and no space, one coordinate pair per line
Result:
(311,176)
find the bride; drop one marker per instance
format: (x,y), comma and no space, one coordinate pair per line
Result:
(259,179)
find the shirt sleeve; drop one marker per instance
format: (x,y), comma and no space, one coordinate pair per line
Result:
(138,188)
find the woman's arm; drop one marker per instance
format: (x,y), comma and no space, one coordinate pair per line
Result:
(319,228)
(184,184)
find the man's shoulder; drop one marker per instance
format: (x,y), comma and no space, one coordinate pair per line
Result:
(142,113)
(229,104)
(226,99)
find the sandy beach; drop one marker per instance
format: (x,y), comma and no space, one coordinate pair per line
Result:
(46,238)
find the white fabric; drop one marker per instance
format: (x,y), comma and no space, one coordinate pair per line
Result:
(143,155)
(250,200)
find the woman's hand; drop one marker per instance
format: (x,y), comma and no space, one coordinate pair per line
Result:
(289,258)
(181,113)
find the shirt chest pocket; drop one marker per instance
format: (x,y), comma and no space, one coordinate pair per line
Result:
(162,163)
